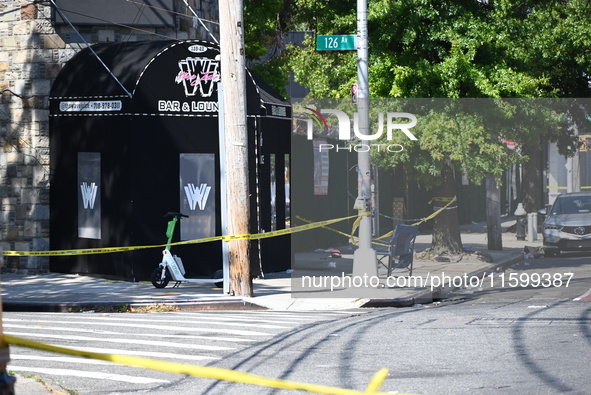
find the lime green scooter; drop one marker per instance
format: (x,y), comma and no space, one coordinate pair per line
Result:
(171,267)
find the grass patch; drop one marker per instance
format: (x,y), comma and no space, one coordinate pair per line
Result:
(63,391)
(154,308)
(125,308)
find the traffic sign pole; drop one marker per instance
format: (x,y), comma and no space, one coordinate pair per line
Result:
(364,258)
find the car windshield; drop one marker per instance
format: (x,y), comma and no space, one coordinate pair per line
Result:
(571,205)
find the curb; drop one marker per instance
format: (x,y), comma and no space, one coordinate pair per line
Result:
(214,304)
(443,292)
(421,296)
(429,296)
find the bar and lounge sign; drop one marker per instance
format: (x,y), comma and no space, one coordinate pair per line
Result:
(199,77)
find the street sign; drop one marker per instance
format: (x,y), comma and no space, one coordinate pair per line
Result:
(335,43)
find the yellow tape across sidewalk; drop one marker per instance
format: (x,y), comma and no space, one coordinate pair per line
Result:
(256,236)
(389,234)
(203,371)
(107,250)
(353,238)
(435,213)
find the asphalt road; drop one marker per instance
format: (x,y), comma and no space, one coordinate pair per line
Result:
(522,332)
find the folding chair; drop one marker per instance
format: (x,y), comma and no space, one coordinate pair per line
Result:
(400,254)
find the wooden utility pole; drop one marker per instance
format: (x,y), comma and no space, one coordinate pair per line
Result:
(233,69)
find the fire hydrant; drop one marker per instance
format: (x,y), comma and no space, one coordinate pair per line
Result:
(521,224)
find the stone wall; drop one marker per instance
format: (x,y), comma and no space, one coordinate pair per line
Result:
(32,52)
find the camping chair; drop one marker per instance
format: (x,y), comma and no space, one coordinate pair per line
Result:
(400,254)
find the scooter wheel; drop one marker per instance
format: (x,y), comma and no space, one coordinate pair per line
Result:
(157,279)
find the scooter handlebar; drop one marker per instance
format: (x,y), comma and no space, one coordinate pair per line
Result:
(175,215)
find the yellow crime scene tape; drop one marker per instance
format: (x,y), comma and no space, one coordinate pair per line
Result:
(227,238)
(195,370)
(351,236)
(204,371)
(107,250)
(550,187)
(389,234)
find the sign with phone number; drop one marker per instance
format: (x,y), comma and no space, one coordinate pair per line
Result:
(91,105)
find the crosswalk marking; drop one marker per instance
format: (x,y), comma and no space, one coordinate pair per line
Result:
(163,328)
(103,332)
(191,337)
(16,357)
(147,354)
(272,318)
(123,341)
(210,321)
(90,375)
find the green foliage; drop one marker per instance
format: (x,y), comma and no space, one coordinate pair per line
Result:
(266,23)
(260,26)
(459,49)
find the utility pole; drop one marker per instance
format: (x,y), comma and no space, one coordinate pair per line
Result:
(364,258)
(493,214)
(233,70)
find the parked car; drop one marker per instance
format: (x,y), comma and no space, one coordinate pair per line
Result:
(567,226)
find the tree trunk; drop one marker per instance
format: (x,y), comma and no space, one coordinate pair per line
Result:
(532,194)
(446,226)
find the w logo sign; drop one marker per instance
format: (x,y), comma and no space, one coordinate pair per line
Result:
(88,194)
(198,75)
(197,195)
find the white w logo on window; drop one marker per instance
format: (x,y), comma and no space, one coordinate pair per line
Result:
(197,195)
(88,194)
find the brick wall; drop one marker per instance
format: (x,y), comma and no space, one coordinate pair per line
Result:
(32,52)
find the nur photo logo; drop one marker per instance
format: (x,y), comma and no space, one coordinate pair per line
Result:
(392,122)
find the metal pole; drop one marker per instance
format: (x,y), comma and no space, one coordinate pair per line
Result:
(364,258)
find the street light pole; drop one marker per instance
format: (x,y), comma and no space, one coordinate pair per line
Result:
(364,258)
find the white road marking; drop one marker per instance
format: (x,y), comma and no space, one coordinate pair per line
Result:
(124,341)
(163,328)
(147,354)
(90,375)
(185,321)
(584,296)
(272,318)
(14,357)
(101,332)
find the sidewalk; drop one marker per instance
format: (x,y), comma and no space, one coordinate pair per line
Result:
(76,293)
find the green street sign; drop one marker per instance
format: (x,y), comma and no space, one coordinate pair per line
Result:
(335,43)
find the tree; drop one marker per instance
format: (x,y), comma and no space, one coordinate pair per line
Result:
(458,49)
(266,26)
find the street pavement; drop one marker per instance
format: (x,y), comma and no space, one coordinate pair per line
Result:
(72,292)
